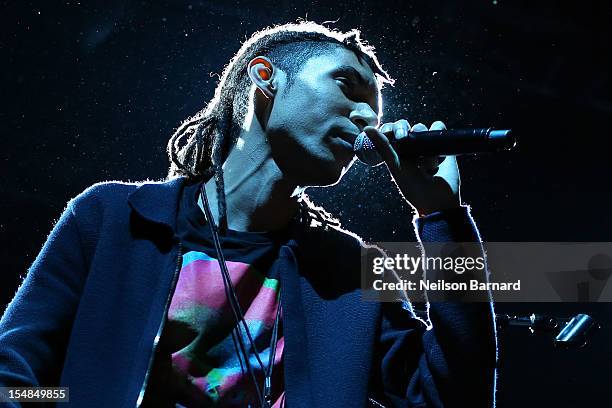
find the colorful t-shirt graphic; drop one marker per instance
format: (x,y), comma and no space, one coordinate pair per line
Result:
(200,315)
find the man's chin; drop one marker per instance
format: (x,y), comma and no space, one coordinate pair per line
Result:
(333,174)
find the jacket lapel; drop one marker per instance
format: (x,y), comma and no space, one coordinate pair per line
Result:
(158,201)
(329,331)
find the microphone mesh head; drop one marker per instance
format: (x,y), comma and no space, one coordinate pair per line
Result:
(365,151)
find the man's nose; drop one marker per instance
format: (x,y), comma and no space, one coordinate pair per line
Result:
(363,116)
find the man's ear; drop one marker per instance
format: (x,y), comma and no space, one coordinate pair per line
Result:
(261,72)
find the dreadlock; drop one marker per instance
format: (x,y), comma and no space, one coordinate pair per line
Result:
(200,145)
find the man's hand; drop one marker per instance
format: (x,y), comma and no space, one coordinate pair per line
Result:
(429,184)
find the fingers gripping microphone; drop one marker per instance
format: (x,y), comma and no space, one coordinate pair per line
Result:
(438,143)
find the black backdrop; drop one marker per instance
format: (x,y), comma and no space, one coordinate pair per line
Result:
(92,90)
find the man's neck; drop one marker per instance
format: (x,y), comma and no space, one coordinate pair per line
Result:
(257,196)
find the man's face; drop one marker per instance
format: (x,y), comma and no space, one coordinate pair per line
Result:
(314,121)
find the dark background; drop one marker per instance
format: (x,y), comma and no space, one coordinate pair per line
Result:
(91,90)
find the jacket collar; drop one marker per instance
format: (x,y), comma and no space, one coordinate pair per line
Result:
(158,202)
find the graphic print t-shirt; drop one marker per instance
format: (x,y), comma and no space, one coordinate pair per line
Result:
(200,316)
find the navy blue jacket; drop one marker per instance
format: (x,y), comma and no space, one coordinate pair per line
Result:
(91,308)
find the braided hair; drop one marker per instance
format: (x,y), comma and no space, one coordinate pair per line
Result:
(200,145)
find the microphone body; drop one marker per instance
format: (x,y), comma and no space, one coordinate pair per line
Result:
(438,143)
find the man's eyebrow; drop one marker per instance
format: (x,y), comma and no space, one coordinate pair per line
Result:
(349,70)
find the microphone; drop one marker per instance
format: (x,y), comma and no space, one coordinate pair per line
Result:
(438,143)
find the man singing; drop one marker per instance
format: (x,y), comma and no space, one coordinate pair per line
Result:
(224,286)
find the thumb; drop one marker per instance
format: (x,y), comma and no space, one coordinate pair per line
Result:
(384,148)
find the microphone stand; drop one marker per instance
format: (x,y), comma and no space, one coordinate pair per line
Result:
(565,333)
